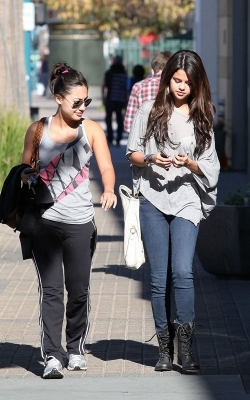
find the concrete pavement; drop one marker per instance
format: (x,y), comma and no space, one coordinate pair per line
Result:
(129,388)
(120,362)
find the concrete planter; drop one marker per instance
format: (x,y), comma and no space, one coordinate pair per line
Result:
(223,244)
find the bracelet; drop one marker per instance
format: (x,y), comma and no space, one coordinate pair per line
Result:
(148,159)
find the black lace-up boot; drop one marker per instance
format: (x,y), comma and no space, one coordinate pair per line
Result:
(185,357)
(166,349)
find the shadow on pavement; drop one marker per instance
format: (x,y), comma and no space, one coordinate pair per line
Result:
(24,356)
(130,350)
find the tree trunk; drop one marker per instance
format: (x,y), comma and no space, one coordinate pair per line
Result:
(13,87)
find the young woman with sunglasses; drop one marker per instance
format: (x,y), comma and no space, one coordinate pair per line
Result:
(65,235)
(172,149)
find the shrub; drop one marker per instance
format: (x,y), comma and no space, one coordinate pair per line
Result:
(12,130)
(238,198)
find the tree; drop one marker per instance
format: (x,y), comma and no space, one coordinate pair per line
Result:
(13,88)
(126,18)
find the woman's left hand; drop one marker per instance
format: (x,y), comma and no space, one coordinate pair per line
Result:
(180,160)
(108,200)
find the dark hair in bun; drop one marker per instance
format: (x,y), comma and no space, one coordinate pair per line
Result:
(63,78)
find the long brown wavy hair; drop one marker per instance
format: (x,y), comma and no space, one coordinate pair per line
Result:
(201,109)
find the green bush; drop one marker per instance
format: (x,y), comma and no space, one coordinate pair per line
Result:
(235,199)
(238,198)
(12,131)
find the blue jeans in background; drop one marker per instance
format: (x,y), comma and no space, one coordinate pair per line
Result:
(116,107)
(167,238)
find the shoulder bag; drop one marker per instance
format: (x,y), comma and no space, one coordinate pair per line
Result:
(134,254)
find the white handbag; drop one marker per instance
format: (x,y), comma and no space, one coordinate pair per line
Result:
(134,255)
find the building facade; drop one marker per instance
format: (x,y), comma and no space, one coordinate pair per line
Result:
(222,33)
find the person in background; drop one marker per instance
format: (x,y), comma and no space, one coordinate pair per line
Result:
(146,89)
(171,147)
(114,97)
(44,71)
(65,235)
(138,73)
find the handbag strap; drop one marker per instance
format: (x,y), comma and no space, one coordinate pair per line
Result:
(34,159)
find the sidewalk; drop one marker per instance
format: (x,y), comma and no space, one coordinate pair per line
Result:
(120,363)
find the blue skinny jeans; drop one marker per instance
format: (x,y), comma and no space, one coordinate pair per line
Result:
(170,243)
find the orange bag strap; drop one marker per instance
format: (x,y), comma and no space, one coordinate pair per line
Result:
(34,160)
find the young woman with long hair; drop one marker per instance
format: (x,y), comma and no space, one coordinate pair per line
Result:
(175,169)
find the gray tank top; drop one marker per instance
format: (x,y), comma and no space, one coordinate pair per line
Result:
(64,168)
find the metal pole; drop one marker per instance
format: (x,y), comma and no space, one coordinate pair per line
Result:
(28,25)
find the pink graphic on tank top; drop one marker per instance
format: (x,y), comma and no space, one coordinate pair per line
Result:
(48,173)
(60,182)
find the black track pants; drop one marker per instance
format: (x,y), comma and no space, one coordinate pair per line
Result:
(62,253)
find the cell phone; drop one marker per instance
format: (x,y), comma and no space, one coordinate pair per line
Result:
(164,155)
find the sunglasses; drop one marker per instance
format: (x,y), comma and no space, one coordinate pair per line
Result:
(78,103)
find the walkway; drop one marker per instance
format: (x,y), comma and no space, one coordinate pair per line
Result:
(120,362)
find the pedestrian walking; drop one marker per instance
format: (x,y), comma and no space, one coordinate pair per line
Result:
(44,71)
(145,89)
(138,73)
(65,234)
(114,97)
(175,169)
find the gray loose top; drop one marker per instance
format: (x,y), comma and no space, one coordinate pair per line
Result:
(178,191)
(64,168)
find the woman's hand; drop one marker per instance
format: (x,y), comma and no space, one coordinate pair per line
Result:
(180,160)
(108,200)
(163,161)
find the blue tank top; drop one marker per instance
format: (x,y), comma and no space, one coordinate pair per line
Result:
(64,168)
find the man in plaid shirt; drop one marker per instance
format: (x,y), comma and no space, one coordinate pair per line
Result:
(145,89)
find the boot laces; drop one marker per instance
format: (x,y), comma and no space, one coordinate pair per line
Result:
(149,340)
(164,343)
(186,340)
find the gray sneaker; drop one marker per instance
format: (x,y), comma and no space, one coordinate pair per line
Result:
(77,362)
(53,369)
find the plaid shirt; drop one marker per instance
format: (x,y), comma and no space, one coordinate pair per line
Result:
(141,91)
